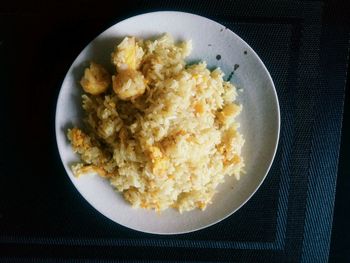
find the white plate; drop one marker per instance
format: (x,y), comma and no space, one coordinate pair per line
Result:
(260,119)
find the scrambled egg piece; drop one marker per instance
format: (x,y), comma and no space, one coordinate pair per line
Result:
(96,79)
(228,113)
(127,55)
(159,161)
(129,84)
(199,107)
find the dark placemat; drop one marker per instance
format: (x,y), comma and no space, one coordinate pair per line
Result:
(289,219)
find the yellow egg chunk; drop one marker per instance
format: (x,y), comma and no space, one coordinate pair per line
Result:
(127,55)
(96,79)
(129,84)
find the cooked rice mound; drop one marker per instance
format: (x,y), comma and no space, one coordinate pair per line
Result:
(163,133)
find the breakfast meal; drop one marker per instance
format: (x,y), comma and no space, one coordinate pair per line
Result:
(163,132)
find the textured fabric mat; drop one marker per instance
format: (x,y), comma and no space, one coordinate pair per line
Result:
(289,219)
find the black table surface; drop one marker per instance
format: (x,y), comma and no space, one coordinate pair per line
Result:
(38,43)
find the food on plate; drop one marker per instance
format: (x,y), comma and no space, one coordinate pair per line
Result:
(163,132)
(96,79)
(129,84)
